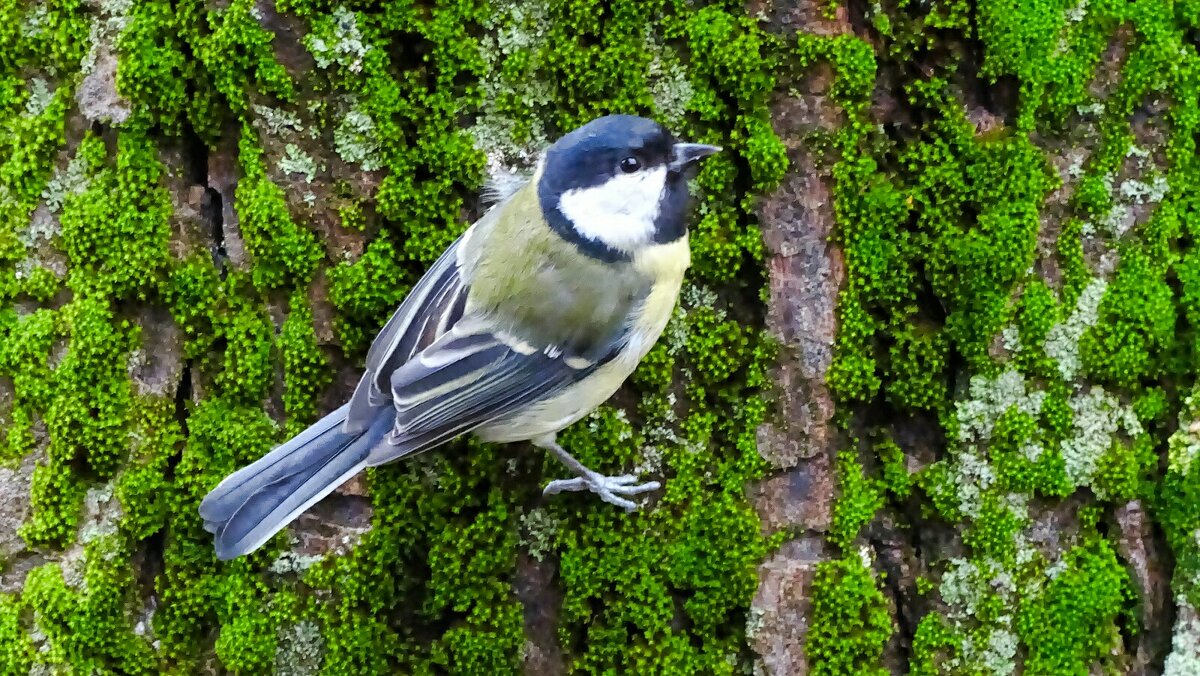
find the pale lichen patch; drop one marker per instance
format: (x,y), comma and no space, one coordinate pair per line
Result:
(354,138)
(296,161)
(290,563)
(973,476)
(513,141)
(966,586)
(668,81)
(72,180)
(540,529)
(1184,659)
(1062,341)
(1184,445)
(300,649)
(35,20)
(1098,417)
(40,97)
(276,121)
(989,398)
(337,39)
(102,513)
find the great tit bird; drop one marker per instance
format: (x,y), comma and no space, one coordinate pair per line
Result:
(528,322)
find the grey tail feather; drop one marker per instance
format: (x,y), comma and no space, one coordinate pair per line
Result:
(260,499)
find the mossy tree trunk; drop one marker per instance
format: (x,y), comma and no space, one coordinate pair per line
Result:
(925,406)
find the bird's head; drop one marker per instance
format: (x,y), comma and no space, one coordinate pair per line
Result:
(618,184)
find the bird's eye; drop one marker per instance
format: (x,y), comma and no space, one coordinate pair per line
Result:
(630,164)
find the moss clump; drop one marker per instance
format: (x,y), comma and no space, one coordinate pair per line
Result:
(17,651)
(366,292)
(88,413)
(935,645)
(305,368)
(194,295)
(194,594)
(850,623)
(247,366)
(1136,325)
(1081,603)
(25,344)
(90,629)
(117,247)
(142,487)
(1177,501)
(858,499)
(284,253)
(153,66)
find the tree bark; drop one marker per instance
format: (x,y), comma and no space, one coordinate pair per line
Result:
(926,405)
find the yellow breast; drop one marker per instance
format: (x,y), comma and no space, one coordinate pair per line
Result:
(666,265)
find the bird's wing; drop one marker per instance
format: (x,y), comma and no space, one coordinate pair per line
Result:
(474,374)
(429,310)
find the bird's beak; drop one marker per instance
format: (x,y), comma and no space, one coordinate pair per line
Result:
(686,154)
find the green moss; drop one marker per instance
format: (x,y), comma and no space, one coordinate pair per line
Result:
(56,497)
(718,348)
(246,644)
(305,368)
(1082,603)
(935,645)
(193,293)
(936,482)
(90,629)
(366,292)
(993,531)
(88,415)
(1025,454)
(16,648)
(236,53)
(247,367)
(858,500)
(29,148)
(142,486)
(1136,324)
(284,253)
(24,353)
(896,476)
(1177,501)
(918,359)
(1051,46)
(1123,469)
(1037,312)
(194,595)
(153,67)
(118,247)
(1069,249)
(850,623)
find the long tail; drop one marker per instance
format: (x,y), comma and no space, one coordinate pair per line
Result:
(257,501)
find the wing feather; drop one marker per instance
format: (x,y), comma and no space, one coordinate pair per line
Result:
(469,378)
(430,309)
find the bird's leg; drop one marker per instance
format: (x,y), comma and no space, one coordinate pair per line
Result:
(609,488)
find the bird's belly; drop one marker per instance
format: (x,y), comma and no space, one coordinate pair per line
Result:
(574,402)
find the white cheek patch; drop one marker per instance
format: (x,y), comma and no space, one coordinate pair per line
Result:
(619,212)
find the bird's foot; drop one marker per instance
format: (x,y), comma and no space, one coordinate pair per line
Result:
(609,488)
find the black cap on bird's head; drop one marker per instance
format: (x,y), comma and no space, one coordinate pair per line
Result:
(617,184)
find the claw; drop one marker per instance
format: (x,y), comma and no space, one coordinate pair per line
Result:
(607,487)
